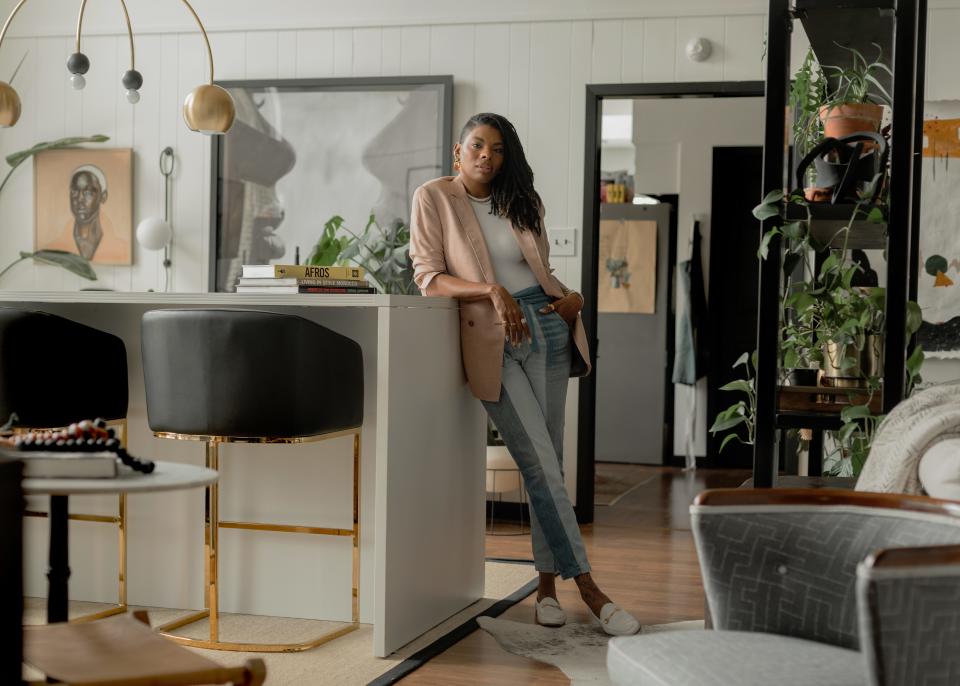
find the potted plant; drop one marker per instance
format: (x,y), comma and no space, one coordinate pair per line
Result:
(856,102)
(383,252)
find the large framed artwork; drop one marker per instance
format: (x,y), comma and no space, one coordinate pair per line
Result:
(938,283)
(326,163)
(83,203)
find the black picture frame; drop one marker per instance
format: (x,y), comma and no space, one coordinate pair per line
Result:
(221,254)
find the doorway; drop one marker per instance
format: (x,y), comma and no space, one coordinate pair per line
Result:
(607,342)
(732,315)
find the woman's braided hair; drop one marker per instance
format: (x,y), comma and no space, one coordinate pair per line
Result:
(512,194)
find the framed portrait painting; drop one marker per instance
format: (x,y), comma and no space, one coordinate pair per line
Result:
(313,161)
(82,201)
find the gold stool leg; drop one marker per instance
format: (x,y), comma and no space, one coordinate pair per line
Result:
(122,533)
(122,552)
(356,527)
(212,539)
(211,545)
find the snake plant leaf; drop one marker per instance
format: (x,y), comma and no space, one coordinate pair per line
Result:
(16,158)
(61,258)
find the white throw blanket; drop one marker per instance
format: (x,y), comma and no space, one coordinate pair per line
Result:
(911,428)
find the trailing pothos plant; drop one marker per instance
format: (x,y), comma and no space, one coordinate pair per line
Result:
(822,310)
(742,413)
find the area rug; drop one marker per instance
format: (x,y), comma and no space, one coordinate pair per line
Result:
(578,650)
(348,660)
(613,481)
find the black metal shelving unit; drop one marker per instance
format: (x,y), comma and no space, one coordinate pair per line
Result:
(899,28)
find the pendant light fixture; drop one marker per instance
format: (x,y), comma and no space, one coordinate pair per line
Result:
(208,108)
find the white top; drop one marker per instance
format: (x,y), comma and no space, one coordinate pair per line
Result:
(509,265)
(167,476)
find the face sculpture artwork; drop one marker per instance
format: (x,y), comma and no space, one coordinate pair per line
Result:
(88,191)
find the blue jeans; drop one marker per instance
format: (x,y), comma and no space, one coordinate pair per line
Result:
(529,417)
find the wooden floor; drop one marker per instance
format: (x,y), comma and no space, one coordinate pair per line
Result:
(643,557)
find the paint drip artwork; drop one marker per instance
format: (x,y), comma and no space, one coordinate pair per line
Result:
(938,287)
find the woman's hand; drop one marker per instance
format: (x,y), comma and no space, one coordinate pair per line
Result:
(511,316)
(568,307)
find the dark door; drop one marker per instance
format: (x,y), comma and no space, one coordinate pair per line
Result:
(732,296)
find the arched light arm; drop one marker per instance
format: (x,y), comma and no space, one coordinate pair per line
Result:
(208,108)
(206,39)
(126,17)
(78,64)
(13,13)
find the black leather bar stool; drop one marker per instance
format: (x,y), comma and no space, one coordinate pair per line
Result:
(53,372)
(207,374)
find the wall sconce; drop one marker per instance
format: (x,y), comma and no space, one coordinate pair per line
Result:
(208,108)
(154,233)
(699,49)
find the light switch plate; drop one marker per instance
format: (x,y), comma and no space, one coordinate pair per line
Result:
(563,242)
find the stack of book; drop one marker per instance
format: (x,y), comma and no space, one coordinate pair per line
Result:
(64,465)
(302,278)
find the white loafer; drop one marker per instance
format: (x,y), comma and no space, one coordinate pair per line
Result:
(549,613)
(616,621)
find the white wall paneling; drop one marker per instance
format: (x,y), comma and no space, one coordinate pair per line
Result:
(607,57)
(314,56)
(518,78)
(262,55)
(367,51)
(530,60)
(742,52)
(660,50)
(414,50)
(343,52)
(631,67)
(390,50)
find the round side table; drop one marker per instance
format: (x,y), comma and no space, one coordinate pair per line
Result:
(167,476)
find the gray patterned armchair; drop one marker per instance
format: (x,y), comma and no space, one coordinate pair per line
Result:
(814,587)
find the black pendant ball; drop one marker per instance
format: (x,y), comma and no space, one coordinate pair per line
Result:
(78,63)
(132,79)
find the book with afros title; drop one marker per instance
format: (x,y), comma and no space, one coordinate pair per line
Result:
(301,271)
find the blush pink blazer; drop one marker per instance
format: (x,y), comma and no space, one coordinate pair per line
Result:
(446,238)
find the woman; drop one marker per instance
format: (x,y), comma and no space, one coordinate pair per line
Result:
(479,237)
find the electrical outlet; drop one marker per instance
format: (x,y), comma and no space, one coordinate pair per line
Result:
(563,242)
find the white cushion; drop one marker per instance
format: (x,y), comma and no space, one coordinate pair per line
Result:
(730,658)
(939,469)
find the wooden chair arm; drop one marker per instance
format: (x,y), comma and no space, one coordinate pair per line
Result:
(732,497)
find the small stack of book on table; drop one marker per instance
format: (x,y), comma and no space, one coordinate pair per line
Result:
(302,278)
(64,465)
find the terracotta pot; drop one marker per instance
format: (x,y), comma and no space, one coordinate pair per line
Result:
(814,194)
(843,120)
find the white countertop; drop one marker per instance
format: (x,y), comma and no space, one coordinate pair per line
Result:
(228,299)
